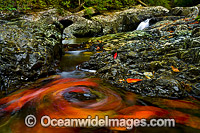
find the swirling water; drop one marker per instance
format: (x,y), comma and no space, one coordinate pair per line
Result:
(74,93)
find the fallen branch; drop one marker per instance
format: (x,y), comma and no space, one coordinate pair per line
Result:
(142,3)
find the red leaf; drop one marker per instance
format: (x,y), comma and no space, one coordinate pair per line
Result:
(115,55)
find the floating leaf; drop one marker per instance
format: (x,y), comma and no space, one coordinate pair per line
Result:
(175,69)
(129,80)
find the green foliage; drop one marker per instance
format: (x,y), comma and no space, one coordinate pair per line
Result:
(100,5)
(109,4)
(66,3)
(165,3)
(186,2)
(22,5)
(198,18)
(88,11)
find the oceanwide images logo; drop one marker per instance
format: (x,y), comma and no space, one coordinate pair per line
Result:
(30,121)
(47,121)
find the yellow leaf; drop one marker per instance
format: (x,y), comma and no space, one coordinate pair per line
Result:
(147,77)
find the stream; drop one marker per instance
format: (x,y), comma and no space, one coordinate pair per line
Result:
(77,93)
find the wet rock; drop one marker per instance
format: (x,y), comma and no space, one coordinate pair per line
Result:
(150,55)
(119,21)
(162,87)
(196,89)
(196,32)
(127,20)
(185,11)
(29,49)
(83,28)
(74,97)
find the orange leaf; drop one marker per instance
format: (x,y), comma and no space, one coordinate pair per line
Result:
(98,48)
(99,41)
(175,69)
(129,80)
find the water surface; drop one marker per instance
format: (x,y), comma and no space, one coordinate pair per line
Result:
(74,93)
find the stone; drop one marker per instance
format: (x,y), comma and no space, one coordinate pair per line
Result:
(29,49)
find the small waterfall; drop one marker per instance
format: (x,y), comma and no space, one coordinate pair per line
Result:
(143,24)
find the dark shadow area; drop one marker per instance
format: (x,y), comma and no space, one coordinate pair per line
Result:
(66,23)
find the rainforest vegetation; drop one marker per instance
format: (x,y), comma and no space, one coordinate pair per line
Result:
(24,5)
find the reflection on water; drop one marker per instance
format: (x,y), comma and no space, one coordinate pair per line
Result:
(73,74)
(70,61)
(75,52)
(75,40)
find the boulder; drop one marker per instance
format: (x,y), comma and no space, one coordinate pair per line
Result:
(165,56)
(118,21)
(192,12)
(82,28)
(29,49)
(128,20)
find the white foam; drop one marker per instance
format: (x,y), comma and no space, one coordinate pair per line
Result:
(143,24)
(75,52)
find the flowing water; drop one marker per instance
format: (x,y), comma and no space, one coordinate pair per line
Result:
(143,24)
(74,93)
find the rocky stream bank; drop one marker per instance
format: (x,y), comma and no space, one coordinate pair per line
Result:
(162,60)
(30,47)
(165,56)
